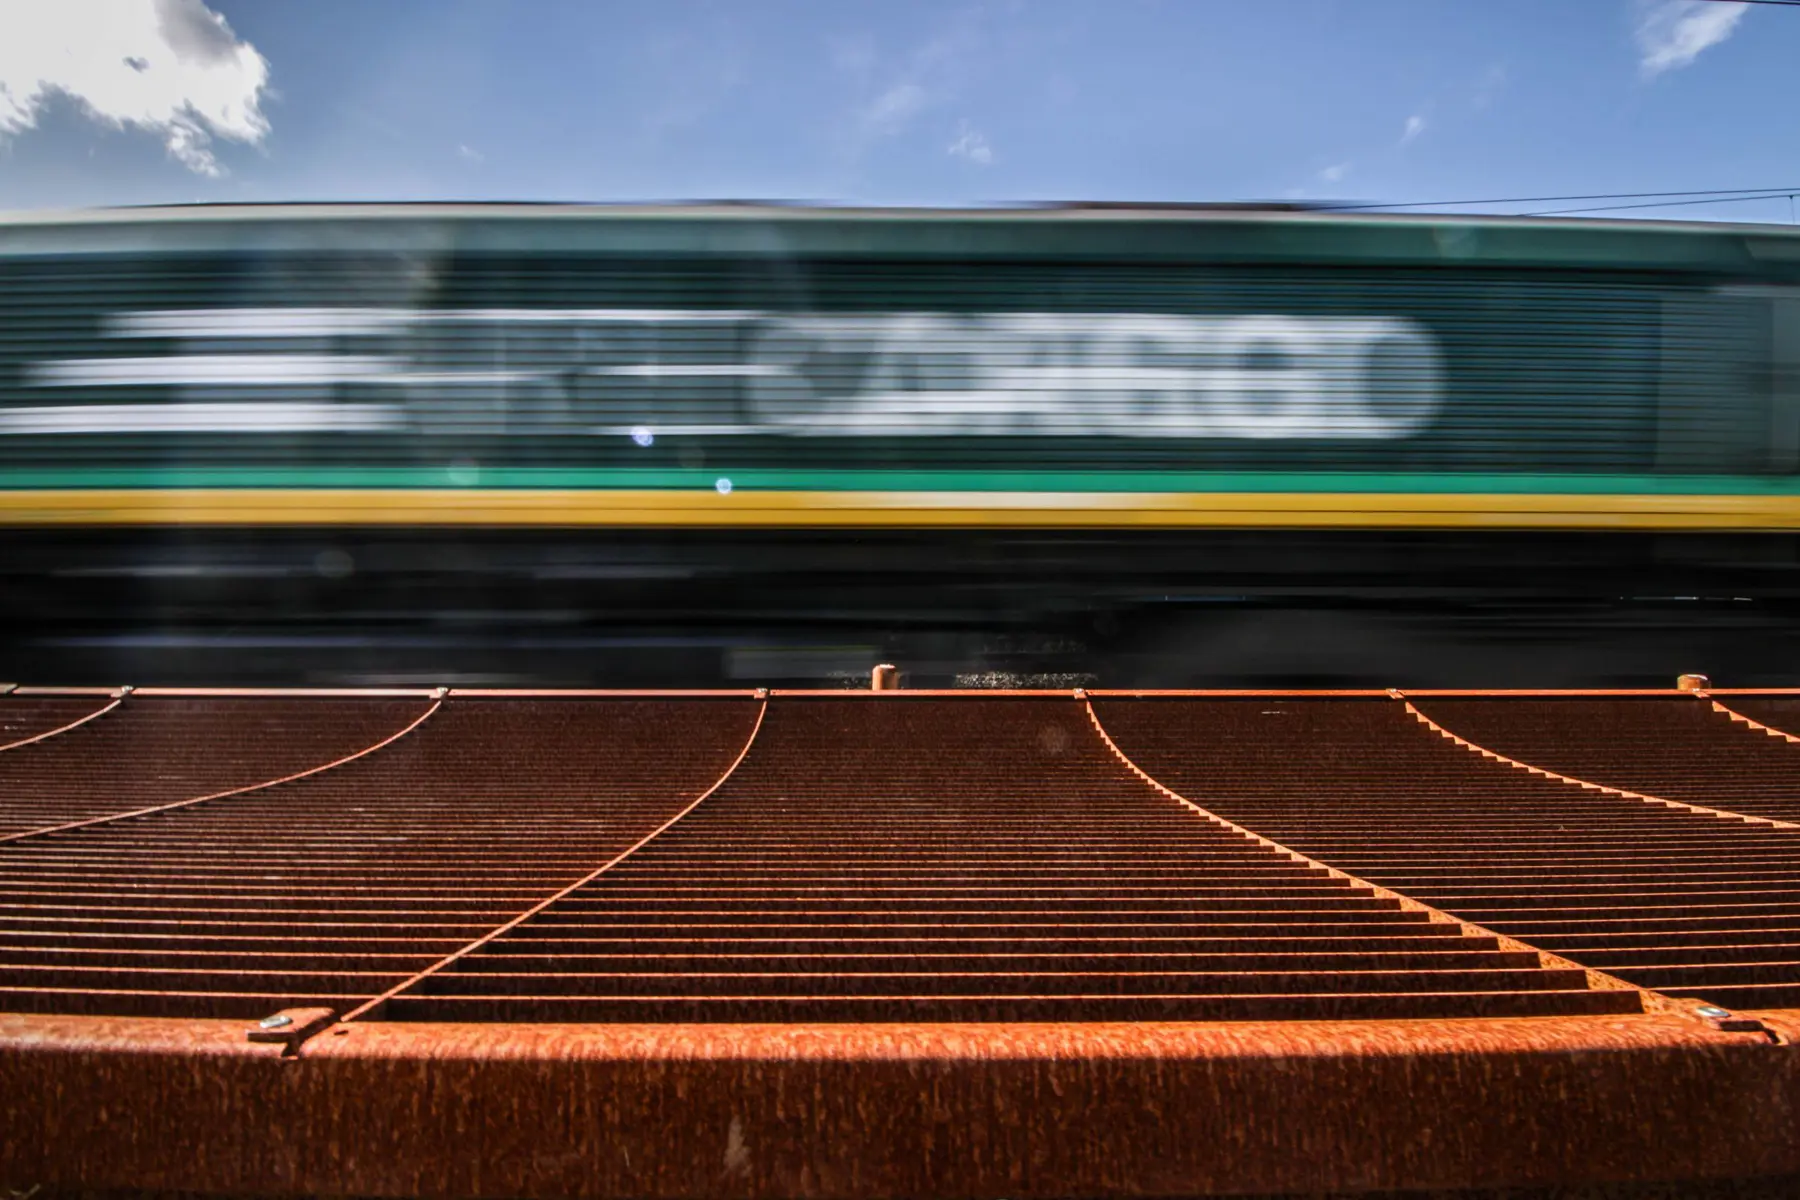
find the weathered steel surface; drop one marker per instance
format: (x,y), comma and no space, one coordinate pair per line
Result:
(985,1111)
(1678,748)
(326,890)
(1777,714)
(1690,904)
(1651,1001)
(314,768)
(158,750)
(912,857)
(28,720)
(374,1006)
(974,859)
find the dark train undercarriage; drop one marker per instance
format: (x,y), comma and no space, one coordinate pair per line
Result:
(582,608)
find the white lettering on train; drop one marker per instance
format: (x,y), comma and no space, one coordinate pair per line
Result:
(627,371)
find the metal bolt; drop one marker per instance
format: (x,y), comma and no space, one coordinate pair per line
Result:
(1713,1011)
(278,1021)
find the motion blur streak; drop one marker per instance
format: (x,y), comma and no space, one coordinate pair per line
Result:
(550,445)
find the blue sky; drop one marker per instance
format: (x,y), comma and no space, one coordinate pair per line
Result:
(929,101)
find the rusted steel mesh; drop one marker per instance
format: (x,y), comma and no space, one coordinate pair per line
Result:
(1690,904)
(151,751)
(1680,748)
(327,890)
(1777,712)
(973,860)
(24,718)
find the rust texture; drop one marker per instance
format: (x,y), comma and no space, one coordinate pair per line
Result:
(374,1006)
(324,891)
(974,860)
(1780,713)
(992,1112)
(1689,904)
(1677,749)
(158,751)
(608,958)
(168,806)
(28,720)
(1587,784)
(1651,1001)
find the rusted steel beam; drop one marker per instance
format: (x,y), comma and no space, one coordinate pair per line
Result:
(26,690)
(300,693)
(978,1111)
(1506,693)
(608,693)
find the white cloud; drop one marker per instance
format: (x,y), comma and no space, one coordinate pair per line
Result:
(173,68)
(894,109)
(970,144)
(1415,125)
(1673,33)
(1335,173)
(470,154)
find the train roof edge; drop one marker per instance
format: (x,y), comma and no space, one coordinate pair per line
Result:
(1168,232)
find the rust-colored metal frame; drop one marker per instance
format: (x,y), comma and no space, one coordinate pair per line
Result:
(980,1111)
(994,1111)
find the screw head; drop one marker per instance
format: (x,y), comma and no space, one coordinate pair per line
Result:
(1713,1010)
(278,1021)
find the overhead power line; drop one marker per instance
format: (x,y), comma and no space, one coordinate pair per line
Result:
(1563,212)
(1716,192)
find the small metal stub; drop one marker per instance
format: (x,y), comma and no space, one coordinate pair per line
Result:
(124,691)
(1724,1020)
(440,693)
(1693,683)
(885,678)
(291,1026)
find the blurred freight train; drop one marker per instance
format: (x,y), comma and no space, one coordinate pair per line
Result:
(736,444)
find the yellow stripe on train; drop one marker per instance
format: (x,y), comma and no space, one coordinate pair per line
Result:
(649,508)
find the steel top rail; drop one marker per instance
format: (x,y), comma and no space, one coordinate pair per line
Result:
(24,690)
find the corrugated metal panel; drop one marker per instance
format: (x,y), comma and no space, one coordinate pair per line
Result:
(1682,902)
(1776,712)
(155,751)
(327,890)
(1677,748)
(25,720)
(964,859)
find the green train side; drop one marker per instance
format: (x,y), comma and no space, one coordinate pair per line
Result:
(915,356)
(1195,408)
